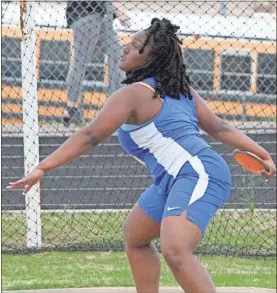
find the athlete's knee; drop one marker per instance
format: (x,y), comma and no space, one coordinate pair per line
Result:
(175,255)
(129,235)
(132,242)
(134,239)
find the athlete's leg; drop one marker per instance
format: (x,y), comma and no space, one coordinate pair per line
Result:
(179,238)
(141,227)
(196,195)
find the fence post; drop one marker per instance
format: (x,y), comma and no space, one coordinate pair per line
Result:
(30,119)
(108,43)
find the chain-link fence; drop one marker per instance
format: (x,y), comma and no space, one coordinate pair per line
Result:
(51,48)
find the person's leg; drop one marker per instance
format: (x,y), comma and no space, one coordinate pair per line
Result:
(144,259)
(114,52)
(197,193)
(116,75)
(141,227)
(85,36)
(179,238)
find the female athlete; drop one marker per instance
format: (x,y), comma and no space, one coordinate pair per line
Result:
(158,116)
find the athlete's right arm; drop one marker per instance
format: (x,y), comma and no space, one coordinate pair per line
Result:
(117,110)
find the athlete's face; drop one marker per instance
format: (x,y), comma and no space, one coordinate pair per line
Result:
(131,58)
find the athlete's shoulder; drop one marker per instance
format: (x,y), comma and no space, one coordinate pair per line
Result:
(130,94)
(133,89)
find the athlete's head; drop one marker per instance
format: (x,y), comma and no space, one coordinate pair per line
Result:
(156,52)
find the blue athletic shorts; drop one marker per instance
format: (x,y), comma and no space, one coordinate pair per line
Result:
(200,197)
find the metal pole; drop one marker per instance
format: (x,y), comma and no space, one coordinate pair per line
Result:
(30,119)
(109,40)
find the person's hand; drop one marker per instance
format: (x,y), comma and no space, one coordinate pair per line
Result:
(28,181)
(272,169)
(124,19)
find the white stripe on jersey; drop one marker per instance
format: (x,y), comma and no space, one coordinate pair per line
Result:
(170,155)
(203,179)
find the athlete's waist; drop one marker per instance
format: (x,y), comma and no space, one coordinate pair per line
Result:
(190,146)
(169,163)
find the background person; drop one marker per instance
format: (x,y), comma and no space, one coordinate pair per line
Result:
(91,23)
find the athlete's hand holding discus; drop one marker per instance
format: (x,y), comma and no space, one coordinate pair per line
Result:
(254,164)
(272,169)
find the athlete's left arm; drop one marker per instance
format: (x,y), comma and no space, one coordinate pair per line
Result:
(227,134)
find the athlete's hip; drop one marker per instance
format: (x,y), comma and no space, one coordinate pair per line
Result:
(207,163)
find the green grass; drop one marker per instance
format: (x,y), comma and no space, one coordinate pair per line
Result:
(250,232)
(111,269)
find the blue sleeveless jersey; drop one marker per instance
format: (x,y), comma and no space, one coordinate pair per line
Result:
(166,142)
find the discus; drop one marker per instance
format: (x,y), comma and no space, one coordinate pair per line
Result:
(250,162)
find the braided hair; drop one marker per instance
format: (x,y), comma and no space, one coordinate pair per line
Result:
(166,62)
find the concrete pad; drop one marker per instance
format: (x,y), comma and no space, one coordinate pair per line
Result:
(132,290)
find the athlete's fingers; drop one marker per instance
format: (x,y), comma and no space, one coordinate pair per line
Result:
(27,188)
(266,175)
(18,184)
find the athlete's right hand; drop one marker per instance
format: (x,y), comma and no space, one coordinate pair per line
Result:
(28,181)
(272,168)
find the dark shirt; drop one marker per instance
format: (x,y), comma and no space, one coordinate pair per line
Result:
(79,9)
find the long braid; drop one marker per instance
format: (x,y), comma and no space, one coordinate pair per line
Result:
(166,62)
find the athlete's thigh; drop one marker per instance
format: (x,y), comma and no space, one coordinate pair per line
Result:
(143,223)
(193,201)
(180,231)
